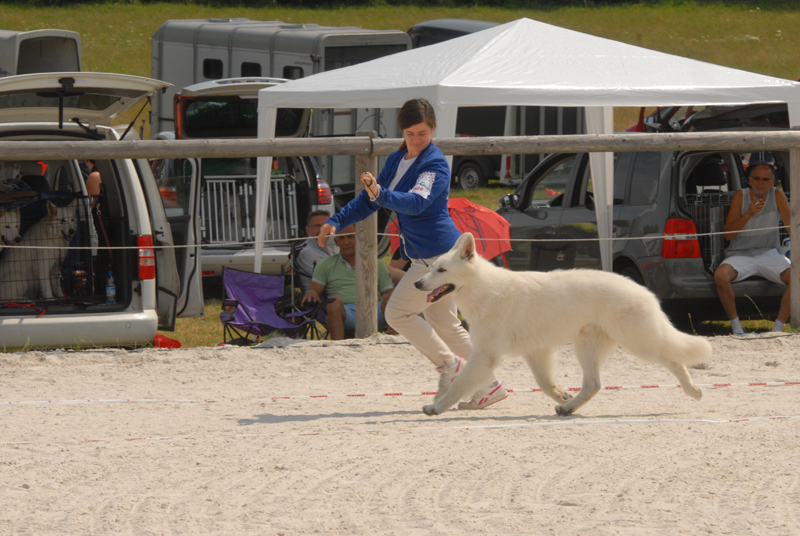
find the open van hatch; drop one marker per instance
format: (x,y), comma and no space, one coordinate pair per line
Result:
(91,98)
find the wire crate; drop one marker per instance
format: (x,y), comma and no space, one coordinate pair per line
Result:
(709,211)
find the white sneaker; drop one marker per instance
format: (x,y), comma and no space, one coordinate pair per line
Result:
(448,373)
(486,397)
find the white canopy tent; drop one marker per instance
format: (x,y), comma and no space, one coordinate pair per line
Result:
(524,63)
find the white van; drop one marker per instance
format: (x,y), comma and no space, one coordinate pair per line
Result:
(228,108)
(53,276)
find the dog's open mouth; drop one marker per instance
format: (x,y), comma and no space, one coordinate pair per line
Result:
(440,292)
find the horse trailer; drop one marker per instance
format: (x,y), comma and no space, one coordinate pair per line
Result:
(187,52)
(39,51)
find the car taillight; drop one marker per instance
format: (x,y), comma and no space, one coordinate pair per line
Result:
(508,167)
(681,240)
(169,195)
(178,106)
(147,258)
(324,194)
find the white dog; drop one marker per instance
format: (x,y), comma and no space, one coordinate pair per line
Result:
(9,228)
(27,272)
(530,313)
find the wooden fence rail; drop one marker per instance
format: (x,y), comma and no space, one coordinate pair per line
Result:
(370,148)
(365,146)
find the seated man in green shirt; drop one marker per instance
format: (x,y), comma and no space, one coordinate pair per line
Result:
(336,275)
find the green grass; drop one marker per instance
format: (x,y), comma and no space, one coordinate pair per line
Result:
(196,332)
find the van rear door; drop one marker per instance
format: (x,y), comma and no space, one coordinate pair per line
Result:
(179,191)
(91,98)
(179,292)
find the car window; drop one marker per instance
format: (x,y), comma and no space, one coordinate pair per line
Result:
(173,177)
(549,189)
(644,181)
(621,166)
(584,196)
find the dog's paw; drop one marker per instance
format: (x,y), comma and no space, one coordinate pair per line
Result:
(563,410)
(693,391)
(565,396)
(430,409)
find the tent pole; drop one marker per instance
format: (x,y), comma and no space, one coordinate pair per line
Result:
(600,120)
(266,129)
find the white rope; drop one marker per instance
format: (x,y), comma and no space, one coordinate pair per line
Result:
(479,239)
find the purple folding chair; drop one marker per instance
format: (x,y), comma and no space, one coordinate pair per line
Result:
(248,310)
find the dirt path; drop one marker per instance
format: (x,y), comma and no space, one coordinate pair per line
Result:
(206,449)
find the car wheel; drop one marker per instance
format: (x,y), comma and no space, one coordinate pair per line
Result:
(470,177)
(633,274)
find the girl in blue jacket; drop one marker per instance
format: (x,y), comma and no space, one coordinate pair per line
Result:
(415,183)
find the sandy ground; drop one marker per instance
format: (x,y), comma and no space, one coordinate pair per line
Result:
(206,449)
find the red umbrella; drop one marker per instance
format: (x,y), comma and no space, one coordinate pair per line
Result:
(482,222)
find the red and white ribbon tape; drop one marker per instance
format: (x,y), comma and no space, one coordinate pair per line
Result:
(363,395)
(420,429)
(537,390)
(98,401)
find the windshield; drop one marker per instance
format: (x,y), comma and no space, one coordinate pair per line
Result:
(232,118)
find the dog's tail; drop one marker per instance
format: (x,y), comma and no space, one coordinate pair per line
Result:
(654,338)
(686,349)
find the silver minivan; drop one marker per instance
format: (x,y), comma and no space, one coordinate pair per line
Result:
(55,274)
(669,212)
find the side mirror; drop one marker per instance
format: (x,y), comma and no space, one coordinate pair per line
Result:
(509,201)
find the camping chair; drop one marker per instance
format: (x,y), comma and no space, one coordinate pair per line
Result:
(248,310)
(320,331)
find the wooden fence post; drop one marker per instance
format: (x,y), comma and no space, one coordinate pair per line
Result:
(794,201)
(366,253)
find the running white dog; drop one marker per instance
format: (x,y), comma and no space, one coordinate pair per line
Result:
(530,313)
(28,273)
(9,228)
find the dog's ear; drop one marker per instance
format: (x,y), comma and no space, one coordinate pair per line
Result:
(52,209)
(466,246)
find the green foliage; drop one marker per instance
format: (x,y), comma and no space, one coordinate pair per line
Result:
(450,4)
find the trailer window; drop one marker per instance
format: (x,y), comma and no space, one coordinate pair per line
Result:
(251,69)
(48,55)
(212,69)
(292,73)
(336,57)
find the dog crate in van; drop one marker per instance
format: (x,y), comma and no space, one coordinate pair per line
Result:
(54,272)
(39,51)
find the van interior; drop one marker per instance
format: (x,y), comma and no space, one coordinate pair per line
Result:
(67,240)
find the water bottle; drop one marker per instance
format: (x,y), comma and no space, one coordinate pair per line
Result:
(111,290)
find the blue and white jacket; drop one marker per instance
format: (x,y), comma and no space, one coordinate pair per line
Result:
(419,199)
